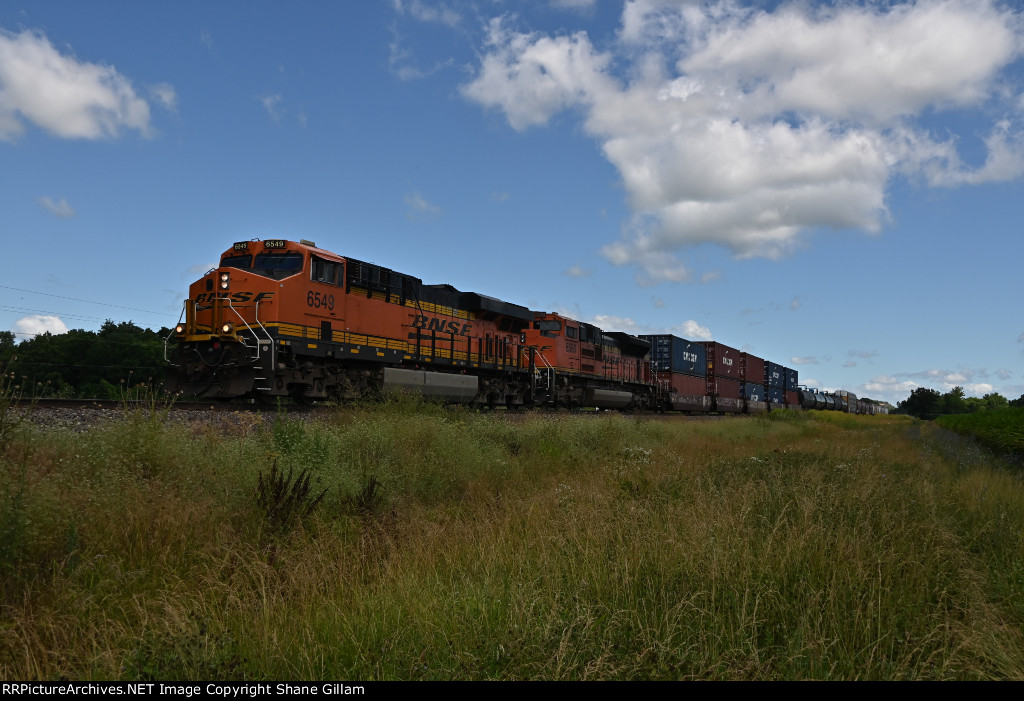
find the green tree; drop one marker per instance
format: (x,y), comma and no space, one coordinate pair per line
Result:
(953,401)
(6,345)
(924,403)
(994,400)
(973,405)
(88,363)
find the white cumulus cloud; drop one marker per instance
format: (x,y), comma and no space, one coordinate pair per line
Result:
(67,97)
(749,128)
(35,324)
(692,331)
(606,322)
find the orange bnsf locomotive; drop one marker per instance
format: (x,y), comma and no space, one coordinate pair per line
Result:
(281,318)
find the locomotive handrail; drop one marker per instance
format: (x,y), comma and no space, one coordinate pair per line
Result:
(548,369)
(256,338)
(168,339)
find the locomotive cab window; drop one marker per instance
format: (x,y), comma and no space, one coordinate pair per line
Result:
(278,265)
(243,262)
(548,328)
(323,271)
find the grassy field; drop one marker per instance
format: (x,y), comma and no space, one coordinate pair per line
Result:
(452,544)
(1002,429)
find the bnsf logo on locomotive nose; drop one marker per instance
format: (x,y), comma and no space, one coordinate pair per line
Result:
(440,325)
(234,297)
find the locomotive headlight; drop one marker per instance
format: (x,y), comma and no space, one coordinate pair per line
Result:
(225,280)
(180,329)
(226,328)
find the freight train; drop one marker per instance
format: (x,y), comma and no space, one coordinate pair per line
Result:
(280,318)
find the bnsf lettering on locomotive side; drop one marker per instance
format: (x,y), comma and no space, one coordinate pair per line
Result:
(440,325)
(238,297)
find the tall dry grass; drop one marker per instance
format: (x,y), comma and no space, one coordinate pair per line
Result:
(452,544)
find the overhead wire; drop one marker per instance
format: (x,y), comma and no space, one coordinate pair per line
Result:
(86,301)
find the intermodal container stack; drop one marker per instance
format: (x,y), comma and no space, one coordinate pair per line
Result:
(752,382)
(724,376)
(681,366)
(792,395)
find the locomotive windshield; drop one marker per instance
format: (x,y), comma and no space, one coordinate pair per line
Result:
(278,265)
(243,262)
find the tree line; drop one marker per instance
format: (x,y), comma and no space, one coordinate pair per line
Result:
(926,403)
(100,364)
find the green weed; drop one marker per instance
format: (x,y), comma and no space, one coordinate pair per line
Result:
(285,499)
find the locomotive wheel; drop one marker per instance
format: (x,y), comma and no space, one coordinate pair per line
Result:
(263,399)
(301,398)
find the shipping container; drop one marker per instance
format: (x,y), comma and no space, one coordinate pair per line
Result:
(727,394)
(792,379)
(685,384)
(753,392)
(673,354)
(776,395)
(792,397)
(751,368)
(725,387)
(722,361)
(774,374)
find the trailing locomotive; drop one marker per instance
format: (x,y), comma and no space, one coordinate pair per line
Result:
(281,318)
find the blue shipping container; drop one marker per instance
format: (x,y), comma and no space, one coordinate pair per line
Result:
(792,380)
(753,392)
(774,374)
(676,354)
(776,395)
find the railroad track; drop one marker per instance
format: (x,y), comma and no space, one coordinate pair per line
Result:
(109,405)
(132,405)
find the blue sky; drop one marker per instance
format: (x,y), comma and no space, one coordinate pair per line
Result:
(835,188)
